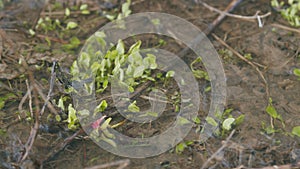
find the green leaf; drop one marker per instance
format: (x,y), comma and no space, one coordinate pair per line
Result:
(170,73)
(107,140)
(84,60)
(61,103)
(31,32)
(129,70)
(2,103)
(3,99)
(274,3)
(227,112)
(110,17)
(105,124)
(138,72)
(83,112)
(211,121)
(290,2)
(196,120)
(83,7)
(271,110)
(133,107)
(248,56)
(72,118)
(71,25)
(95,67)
(207,89)
(270,130)
(182,120)
(227,123)
(130,89)
(180,148)
(135,58)
(74,43)
(200,74)
(135,47)
(150,61)
(74,70)
(100,34)
(125,8)
(240,119)
(58,118)
(296,131)
(85,12)
(155,22)
(121,78)
(296,71)
(120,47)
(107,133)
(153,114)
(67,12)
(101,107)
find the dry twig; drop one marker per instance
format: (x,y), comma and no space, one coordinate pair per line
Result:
(35,128)
(30,98)
(285,28)
(246,60)
(211,26)
(49,105)
(254,17)
(52,79)
(225,144)
(59,147)
(251,64)
(287,166)
(121,163)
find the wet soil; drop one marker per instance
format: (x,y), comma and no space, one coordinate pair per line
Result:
(275,48)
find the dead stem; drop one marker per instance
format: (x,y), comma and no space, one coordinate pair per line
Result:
(30,98)
(211,26)
(225,144)
(61,146)
(254,17)
(49,105)
(52,79)
(287,166)
(246,60)
(20,107)
(120,163)
(285,28)
(35,128)
(251,64)
(50,13)
(52,39)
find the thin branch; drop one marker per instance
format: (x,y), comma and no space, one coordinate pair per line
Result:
(50,13)
(59,147)
(35,128)
(20,107)
(52,39)
(287,166)
(225,144)
(285,27)
(30,98)
(52,79)
(121,163)
(49,105)
(251,64)
(211,26)
(254,17)
(246,60)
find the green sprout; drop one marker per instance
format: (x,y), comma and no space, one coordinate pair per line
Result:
(291,13)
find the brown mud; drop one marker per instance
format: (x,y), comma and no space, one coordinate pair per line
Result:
(273,49)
